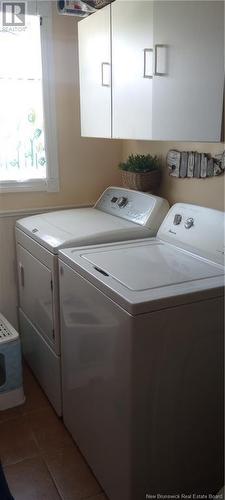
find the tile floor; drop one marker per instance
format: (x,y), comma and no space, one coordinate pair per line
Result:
(40,459)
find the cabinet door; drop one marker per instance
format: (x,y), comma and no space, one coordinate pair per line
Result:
(189,70)
(132,59)
(95,74)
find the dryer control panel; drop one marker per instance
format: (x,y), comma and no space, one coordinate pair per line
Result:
(198,229)
(135,206)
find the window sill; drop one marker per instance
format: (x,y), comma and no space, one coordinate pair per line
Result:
(50,185)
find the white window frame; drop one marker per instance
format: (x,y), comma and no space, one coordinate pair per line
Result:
(51,183)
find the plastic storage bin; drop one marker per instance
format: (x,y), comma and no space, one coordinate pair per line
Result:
(11,381)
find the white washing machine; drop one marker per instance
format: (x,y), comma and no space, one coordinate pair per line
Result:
(142,357)
(119,214)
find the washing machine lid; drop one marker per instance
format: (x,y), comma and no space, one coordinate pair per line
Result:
(142,276)
(145,267)
(80,226)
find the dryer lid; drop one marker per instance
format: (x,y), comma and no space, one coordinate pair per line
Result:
(79,226)
(119,214)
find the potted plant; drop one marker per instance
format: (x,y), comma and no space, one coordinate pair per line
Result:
(141,172)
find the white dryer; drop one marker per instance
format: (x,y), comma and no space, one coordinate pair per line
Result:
(119,214)
(142,357)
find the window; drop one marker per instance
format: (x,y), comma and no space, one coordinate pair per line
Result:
(28,148)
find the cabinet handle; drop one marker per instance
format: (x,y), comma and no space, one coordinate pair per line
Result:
(21,268)
(105,70)
(148,52)
(161,46)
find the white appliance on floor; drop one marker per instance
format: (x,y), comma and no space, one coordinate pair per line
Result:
(119,214)
(142,357)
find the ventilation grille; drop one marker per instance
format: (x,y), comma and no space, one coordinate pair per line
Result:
(7,332)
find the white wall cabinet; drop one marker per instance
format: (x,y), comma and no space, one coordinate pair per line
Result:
(153,70)
(132,57)
(95,74)
(188,94)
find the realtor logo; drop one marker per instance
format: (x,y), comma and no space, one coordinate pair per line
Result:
(13,14)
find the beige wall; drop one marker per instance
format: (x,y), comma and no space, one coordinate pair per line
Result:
(207,192)
(87,166)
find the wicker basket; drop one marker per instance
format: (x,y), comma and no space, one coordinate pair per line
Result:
(141,181)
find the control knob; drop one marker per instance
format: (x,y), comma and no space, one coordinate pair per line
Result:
(122,201)
(189,223)
(177,219)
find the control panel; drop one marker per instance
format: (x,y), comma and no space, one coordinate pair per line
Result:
(195,228)
(134,206)
(178,219)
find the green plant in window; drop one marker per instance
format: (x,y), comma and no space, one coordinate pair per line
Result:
(33,139)
(13,163)
(31,116)
(42,161)
(28,149)
(37,133)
